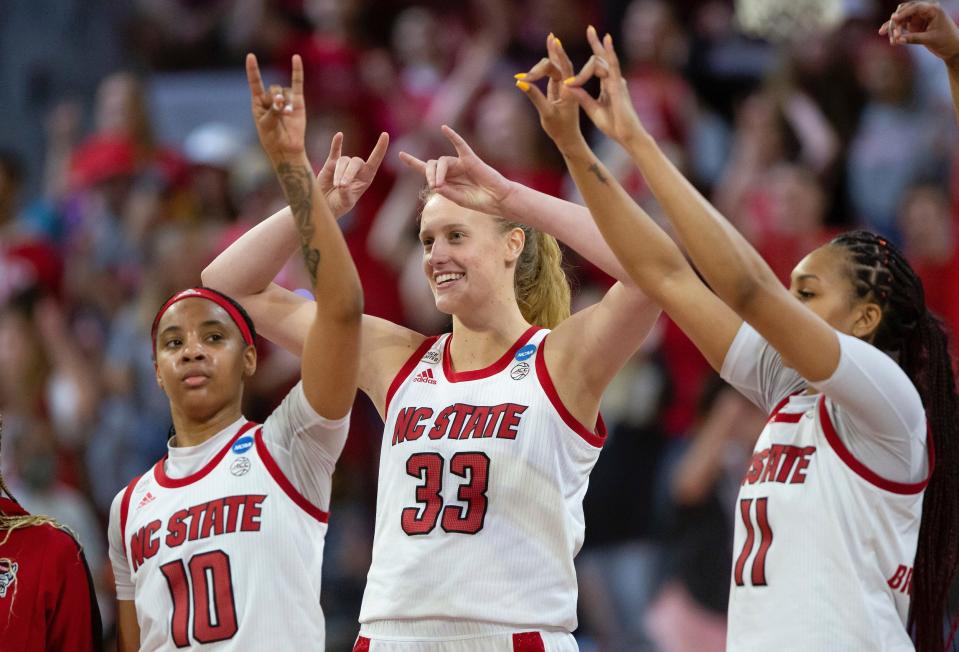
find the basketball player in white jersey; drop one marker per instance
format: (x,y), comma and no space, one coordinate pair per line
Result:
(828,545)
(491,430)
(219,546)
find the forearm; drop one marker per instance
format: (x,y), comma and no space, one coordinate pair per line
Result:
(953,69)
(645,251)
(730,265)
(569,223)
(336,283)
(249,265)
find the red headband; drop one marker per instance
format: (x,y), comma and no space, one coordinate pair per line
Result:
(203,293)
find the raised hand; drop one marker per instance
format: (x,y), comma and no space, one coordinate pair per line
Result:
(924,23)
(612,112)
(558,109)
(464,179)
(344,179)
(280,115)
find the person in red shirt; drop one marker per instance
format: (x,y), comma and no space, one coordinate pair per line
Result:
(47,600)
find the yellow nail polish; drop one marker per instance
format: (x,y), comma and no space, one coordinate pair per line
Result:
(558,42)
(520,75)
(569,80)
(523,86)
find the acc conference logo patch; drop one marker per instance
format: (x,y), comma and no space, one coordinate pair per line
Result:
(526,352)
(243,444)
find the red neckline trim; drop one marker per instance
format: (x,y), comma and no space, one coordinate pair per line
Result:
(491,370)
(597,438)
(173,483)
(861,469)
(278,476)
(406,369)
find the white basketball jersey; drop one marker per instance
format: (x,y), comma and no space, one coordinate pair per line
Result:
(824,547)
(228,558)
(479,507)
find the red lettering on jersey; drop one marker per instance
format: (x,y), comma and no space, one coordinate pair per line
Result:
(476,425)
(496,413)
(176,529)
(790,461)
(442,422)
(144,543)
(415,430)
(462,410)
(402,425)
(772,463)
(510,422)
(234,505)
(901,580)
(252,508)
(805,457)
(212,519)
(195,513)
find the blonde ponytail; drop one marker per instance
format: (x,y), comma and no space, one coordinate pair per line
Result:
(542,289)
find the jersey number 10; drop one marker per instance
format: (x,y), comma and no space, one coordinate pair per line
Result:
(428,467)
(765,537)
(213,611)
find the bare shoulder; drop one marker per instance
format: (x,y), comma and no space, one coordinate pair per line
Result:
(385,349)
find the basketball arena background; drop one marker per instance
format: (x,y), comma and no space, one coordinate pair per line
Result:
(128,159)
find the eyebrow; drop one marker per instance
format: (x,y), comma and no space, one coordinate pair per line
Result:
(208,322)
(446,228)
(804,277)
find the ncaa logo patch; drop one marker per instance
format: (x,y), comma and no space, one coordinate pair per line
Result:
(243,444)
(526,352)
(519,371)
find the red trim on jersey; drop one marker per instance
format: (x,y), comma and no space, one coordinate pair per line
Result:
(861,469)
(284,483)
(528,642)
(786,417)
(125,508)
(493,369)
(175,483)
(407,369)
(597,438)
(362,644)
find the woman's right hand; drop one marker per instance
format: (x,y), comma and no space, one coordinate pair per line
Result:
(612,112)
(464,179)
(344,179)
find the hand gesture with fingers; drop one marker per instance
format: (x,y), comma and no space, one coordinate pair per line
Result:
(280,115)
(612,112)
(344,179)
(558,109)
(925,23)
(464,179)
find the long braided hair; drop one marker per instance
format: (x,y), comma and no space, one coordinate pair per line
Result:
(916,338)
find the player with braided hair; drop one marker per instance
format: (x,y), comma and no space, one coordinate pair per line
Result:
(47,601)
(848,362)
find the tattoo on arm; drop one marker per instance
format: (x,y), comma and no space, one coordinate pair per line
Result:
(594,168)
(297,182)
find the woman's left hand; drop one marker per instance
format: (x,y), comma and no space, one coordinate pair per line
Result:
(280,115)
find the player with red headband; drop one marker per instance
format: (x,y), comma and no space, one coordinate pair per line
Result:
(188,538)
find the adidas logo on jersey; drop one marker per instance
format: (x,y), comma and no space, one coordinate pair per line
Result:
(149,498)
(425,376)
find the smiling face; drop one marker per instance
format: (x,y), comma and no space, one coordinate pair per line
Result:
(201,358)
(468,258)
(821,281)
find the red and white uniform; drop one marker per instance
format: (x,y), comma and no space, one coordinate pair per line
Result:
(220,545)
(479,507)
(827,518)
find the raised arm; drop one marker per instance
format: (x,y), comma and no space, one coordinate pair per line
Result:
(730,265)
(928,24)
(651,258)
(332,348)
(470,182)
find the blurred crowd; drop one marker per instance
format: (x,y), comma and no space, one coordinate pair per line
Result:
(128,161)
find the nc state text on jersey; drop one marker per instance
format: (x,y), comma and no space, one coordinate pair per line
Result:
(459,421)
(221,516)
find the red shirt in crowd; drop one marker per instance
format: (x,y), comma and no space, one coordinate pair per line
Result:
(47,601)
